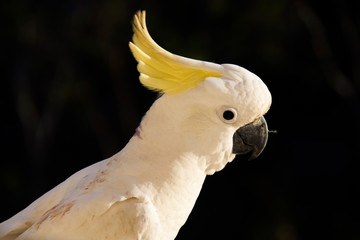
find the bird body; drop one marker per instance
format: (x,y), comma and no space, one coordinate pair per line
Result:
(96,200)
(148,189)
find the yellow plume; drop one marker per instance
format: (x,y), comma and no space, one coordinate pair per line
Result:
(163,71)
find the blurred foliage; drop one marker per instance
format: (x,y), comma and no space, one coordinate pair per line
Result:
(70,97)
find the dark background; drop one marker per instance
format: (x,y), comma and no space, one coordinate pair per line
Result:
(70,96)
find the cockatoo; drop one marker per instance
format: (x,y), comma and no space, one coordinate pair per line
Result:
(207,113)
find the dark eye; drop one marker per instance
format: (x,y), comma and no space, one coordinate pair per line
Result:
(229,115)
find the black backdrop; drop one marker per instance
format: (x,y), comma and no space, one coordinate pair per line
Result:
(70,96)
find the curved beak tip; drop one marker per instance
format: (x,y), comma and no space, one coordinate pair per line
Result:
(251,138)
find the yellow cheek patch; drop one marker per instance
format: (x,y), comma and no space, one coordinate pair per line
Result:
(163,71)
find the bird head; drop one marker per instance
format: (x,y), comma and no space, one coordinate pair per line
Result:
(212,110)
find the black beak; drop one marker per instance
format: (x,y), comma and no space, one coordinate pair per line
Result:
(251,138)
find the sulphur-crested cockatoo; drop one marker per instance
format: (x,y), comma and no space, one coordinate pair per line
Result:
(206,115)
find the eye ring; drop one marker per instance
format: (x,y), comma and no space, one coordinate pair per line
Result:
(228,115)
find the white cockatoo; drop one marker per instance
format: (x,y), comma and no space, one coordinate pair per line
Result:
(206,115)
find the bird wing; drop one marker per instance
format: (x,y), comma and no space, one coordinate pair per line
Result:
(93,218)
(87,197)
(16,225)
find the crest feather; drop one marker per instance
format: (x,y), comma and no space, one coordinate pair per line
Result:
(163,71)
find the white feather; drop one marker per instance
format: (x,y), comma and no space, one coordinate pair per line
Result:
(147,190)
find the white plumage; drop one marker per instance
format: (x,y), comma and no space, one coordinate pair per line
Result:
(147,190)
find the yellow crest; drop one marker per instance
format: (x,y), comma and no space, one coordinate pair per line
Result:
(163,71)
